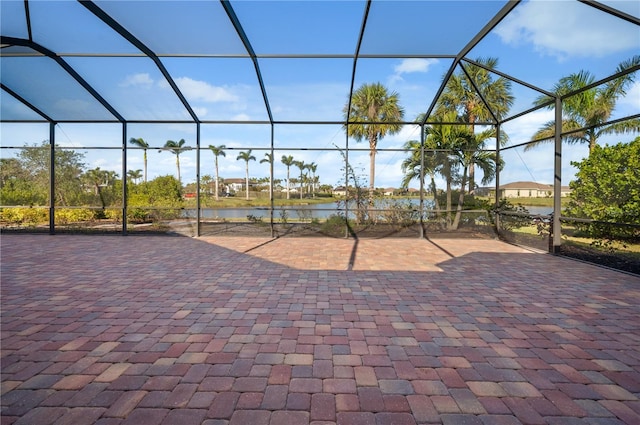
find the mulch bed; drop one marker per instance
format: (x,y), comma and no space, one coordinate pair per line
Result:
(616,261)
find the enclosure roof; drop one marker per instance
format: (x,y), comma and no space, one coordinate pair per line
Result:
(287,61)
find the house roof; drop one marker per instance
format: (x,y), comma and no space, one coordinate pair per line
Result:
(524,185)
(527,185)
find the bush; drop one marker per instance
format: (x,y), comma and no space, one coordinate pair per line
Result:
(68,215)
(30,217)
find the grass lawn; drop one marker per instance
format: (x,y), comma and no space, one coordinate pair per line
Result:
(531,202)
(241,202)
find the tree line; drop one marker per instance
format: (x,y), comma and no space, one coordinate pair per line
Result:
(453,146)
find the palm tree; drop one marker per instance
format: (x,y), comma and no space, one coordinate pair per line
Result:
(268,158)
(99,179)
(134,175)
(461,96)
(313,167)
(217,151)
(454,149)
(246,157)
(205,182)
(302,166)
(590,109)
(176,148)
(374,113)
(469,150)
(288,161)
(411,167)
(144,145)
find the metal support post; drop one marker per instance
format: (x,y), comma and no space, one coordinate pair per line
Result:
(557,181)
(52,178)
(124,179)
(198,179)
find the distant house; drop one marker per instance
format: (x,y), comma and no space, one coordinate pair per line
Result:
(530,190)
(390,191)
(234,185)
(339,191)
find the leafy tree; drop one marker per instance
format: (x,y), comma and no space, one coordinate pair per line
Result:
(374,113)
(590,108)
(139,142)
(176,148)
(460,95)
(205,181)
(217,151)
(16,187)
(288,162)
(607,189)
(160,198)
(69,165)
(246,157)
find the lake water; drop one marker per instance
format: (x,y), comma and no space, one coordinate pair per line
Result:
(319,211)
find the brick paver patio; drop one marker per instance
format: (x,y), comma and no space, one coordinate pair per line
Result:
(175,330)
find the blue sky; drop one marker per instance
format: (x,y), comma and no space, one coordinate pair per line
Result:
(539,42)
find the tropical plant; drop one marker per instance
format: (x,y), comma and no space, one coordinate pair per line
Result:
(134,175)
(302,166)
(217,151)
(491,100)
(469,150)
(412,167)
(246,157)
(176,148)
(374,113)
(268,158)
(100,179)
(313,167)
(288,162)
(588,111)
(139,142)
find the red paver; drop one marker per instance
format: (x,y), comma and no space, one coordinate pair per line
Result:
(229,330)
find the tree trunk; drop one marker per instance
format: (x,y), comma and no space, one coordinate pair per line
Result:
(247,180)
(288,183)
(448,214)
(301,187)
(434,192)
(456,221)
(145,165)
(217,197)
(372,172)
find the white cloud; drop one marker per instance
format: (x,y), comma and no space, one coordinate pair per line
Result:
(200,112)
(241,117)
(72,107)
(632,99)
(522,129)
(195,90)
(563,29)
(414,65)
(141,80)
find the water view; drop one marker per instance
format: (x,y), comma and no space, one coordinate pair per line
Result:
(315,211)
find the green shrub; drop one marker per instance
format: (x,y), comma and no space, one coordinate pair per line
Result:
(69,215)
(30,217)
